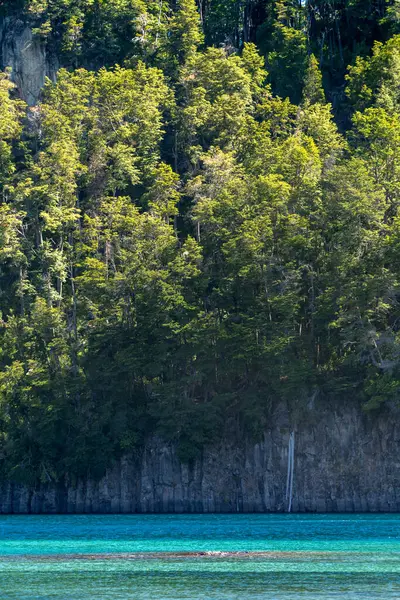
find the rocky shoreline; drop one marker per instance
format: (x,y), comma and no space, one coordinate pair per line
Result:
(343,461)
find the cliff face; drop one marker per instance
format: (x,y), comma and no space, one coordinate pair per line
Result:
(27,56)
(344,461)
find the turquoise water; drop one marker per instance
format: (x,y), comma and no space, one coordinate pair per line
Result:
(221,557)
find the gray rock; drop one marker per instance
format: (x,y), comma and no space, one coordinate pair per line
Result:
(344,461)
(28,57)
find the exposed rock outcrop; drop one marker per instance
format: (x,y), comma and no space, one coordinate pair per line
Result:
(28,57)
(344,461)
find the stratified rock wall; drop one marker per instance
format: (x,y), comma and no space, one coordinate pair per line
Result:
(344,461)
(28,57)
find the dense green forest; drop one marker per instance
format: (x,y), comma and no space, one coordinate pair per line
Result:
(198,220)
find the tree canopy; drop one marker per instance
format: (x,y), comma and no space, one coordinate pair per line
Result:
(199,219)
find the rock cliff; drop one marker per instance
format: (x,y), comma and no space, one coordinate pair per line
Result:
(28,57)
(344,461)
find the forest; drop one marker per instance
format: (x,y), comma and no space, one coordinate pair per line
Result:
(199,219)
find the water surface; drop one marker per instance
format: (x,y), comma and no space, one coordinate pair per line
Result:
(157,557)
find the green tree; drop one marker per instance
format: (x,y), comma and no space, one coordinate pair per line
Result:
(313,91)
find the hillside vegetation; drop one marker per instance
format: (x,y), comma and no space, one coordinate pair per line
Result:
(199,219)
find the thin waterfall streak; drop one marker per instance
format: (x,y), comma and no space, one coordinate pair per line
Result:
(291,474)
(288,468)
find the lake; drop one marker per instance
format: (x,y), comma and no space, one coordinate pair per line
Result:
(221,557)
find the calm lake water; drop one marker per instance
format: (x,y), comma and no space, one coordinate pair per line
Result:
(143,557)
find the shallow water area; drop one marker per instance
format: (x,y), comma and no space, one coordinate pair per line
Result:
(274,557)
